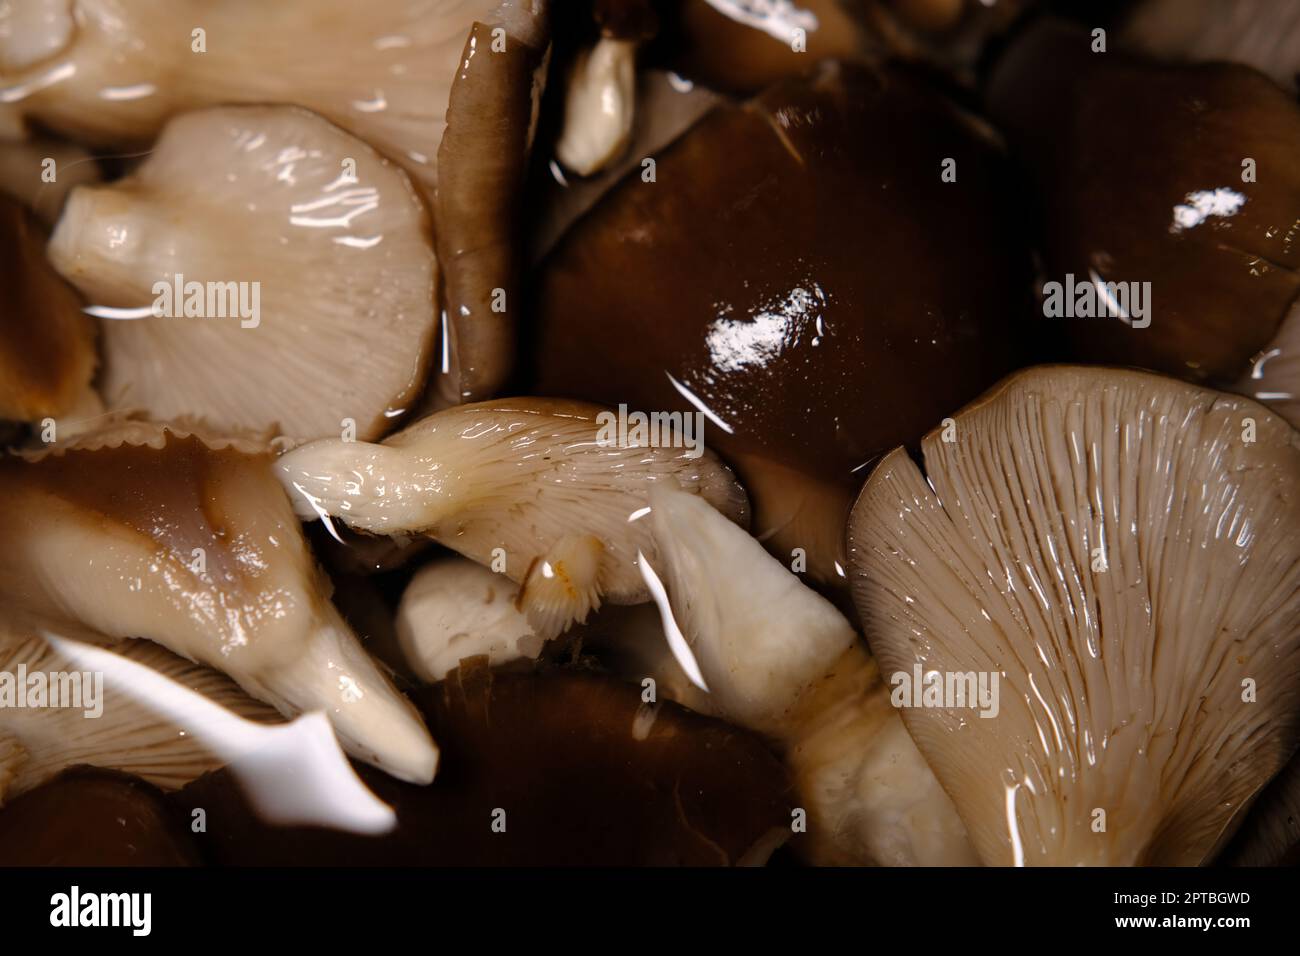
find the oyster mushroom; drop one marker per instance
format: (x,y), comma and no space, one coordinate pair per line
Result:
(110,73)
(47,346)
(531,487)
(779,272)
(306,298)
(110,727)
(1119,549)
(1202,206)
(193,545)
(92,817)
(455,609)
(779,659)
(559,768)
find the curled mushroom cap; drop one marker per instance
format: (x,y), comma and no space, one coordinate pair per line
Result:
(779,659)
(559,768)
(1119,551)
(1201,207)
(109,726)
(305,299)
(204,557)
(778,277)
(47,346)
(535,488)
(454,609)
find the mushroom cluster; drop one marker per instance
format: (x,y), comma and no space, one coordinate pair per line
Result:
(649,432)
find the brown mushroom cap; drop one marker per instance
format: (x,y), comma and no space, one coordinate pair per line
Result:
(1120,550)
(1220,282)
(584,772)
(47,345)
(90,817)
(822,297)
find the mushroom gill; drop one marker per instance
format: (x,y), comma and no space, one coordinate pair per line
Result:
(1117,553)
(109,726)
(305,301)
(534,488)
(779,659)
(193,544)
(47,346)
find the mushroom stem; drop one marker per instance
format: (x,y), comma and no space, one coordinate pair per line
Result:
(780,659)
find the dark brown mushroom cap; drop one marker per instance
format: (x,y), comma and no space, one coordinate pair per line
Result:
(47,345)
(1115,144)
(91,817)
(584,772)
(801,268)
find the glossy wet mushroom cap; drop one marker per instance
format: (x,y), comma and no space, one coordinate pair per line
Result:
(563,768)
(815,297)
(1201,203)
(89,817)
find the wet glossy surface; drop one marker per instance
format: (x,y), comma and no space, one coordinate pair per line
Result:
(1140,171)
(87,817)
(558,753)
(818,296)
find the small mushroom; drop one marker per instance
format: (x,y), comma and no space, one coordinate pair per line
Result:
(455,609)
(1198,215)
(779,277)
(1119,551)
(193,544)
(90,817)
(305,301)
(47,346)
(562,768)
(779,659)
(599,105)
(1264,34)
(534,488)
(101,723)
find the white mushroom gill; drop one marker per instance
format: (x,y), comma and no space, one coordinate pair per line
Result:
(282,270)
(382,69)
(781,660)
(526,486)
(1121,551)
(104,724)
(196,547)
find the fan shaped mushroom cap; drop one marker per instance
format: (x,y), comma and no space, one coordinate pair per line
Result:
(1121,549)
(196,547)
(311,278)
(780,659)
(525,481)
